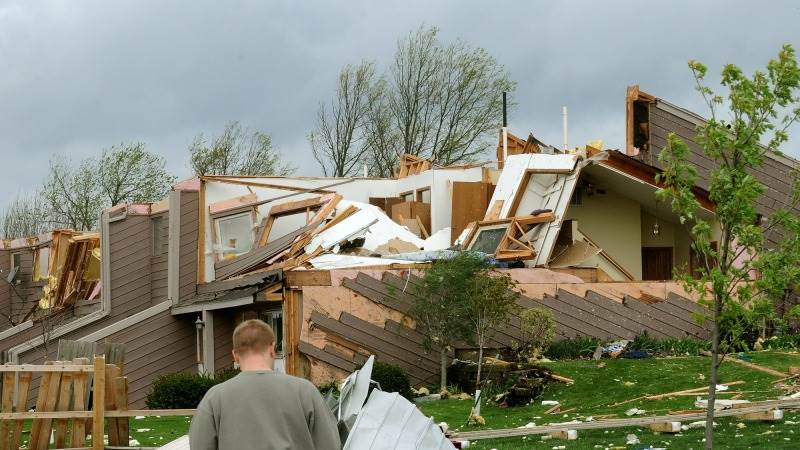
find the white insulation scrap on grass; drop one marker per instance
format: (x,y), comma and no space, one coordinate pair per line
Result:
(389,421)
(369,222)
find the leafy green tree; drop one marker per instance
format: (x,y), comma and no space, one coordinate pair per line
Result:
(72,193)
(491,301)
(760,108)
(75,194)
(439,308)
(237,151)
(129,173)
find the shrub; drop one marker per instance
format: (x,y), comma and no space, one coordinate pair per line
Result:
(178,390)
(672,346)
(538,329)
(392,378)
(225,374)
(573,348)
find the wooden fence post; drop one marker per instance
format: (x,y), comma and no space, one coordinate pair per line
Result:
(98,402)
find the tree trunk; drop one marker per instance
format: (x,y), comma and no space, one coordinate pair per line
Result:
(480,364)
(712,387)
(443,369)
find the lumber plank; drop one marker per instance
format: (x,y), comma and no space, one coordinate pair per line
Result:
(618,423)
(121,399)
(51,399)
(44,386)
(98,402)
(7,406)
(79,403)
(64,396)
(23,387)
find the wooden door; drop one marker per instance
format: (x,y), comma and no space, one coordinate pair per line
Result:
(656,263)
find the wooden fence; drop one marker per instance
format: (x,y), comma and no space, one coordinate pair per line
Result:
(74,399)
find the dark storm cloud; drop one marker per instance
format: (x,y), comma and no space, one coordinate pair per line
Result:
(76,77)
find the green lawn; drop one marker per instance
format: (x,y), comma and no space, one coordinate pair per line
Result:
(598,385)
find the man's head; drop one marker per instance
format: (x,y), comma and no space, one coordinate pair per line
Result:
(254,345)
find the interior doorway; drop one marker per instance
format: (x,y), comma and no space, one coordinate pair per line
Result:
(656,263)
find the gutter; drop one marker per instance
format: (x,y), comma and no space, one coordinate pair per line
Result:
(105,299)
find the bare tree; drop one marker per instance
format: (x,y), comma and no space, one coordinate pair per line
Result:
(72,193)
(441,102)
(446,100)
(129,173)
(337,140)
(382,140)
(237,151)
(26,216)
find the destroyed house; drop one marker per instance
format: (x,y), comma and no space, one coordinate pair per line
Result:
(333,263)
(649,120)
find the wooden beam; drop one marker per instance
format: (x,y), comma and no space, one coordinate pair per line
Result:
(98,401)
(297,278)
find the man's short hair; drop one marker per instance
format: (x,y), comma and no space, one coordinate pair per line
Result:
(252,336)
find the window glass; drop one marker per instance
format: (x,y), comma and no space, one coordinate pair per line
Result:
(235,234)
(487,240)
(407,196)
(43,263)
(274,318)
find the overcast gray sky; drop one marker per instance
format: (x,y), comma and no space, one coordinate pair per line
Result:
(79,76)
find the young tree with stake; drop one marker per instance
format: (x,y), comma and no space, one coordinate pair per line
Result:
(743,268)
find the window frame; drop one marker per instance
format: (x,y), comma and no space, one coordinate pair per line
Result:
(215,219)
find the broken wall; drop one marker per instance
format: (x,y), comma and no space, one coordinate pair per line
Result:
(613,222)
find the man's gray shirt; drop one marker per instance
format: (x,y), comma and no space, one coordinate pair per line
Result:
(263,410)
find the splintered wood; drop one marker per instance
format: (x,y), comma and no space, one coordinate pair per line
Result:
(73,271)
(61,410)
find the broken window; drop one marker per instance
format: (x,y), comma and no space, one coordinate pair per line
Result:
(407,196)
(41,268)
(234,234)
(274,318)
(487,239)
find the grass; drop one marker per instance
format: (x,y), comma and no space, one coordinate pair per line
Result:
(598,386)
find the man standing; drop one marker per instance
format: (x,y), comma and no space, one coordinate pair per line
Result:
(259,408)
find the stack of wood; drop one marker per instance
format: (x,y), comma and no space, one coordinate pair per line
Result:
(412,165)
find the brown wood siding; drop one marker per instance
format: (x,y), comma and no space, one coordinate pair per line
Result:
(6,310)
(589,315)
(187,264)
(224,322)
(160,345)
(774,174)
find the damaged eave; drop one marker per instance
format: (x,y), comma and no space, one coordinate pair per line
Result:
(237,291)
(645,173)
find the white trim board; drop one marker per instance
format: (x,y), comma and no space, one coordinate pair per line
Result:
(127,322)
(213,305)
(16,329)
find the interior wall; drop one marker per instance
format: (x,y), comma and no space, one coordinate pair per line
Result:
(613,222)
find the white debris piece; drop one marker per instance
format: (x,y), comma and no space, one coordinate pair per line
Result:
(549,402)
(631,439)
(634,412)
(330,261)
(719,403)
(369,222)
(438,241)
(388,419)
